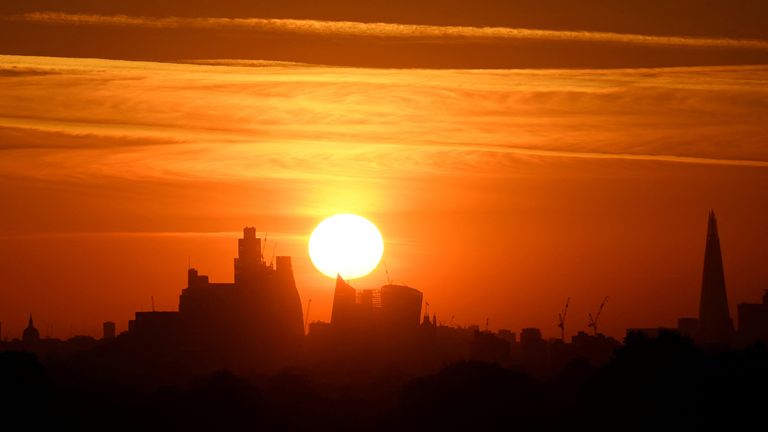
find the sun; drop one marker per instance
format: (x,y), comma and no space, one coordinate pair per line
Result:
(346,244)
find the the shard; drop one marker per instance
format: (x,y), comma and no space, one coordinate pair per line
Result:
(715,324)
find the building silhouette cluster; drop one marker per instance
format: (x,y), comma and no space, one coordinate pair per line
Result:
(753,320)
(714,325)
(392,308)
(255,323)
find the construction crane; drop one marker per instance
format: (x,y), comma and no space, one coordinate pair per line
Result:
(561,319)
(593,321)
(274,253)
(264,247)
(389,279)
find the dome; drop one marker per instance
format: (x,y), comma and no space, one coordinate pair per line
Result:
(30,333)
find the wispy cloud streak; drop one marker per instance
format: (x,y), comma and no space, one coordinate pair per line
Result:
(144,234)
(386,30)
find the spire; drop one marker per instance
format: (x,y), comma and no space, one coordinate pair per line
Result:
(30,334)
(714,319)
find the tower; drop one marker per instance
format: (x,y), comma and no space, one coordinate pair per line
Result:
(715,325)
(250,259)
(30,335)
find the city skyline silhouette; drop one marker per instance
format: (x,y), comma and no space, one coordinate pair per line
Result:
(236,333)
(264,295)
(712,324)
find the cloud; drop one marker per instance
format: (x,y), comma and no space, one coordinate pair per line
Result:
(143,234)
(180,122)
(22,73)
(621,156)
(244,63)
(31,138)
(386,30)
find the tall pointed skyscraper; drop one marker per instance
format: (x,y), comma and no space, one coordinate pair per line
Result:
(715,324)
(344,304)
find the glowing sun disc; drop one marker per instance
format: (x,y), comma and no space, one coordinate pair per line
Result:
(346,244)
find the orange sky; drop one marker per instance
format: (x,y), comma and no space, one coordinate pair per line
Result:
(502,184)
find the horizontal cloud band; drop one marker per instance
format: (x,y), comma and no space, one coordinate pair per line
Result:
(386,30)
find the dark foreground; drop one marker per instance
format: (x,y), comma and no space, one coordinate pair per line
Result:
(650,384)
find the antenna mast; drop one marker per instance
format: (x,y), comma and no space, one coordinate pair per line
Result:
(561,319)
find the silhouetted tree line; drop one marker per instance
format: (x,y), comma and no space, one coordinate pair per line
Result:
(650,384)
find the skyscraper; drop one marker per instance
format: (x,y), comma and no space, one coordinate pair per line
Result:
(256,321)
(715,324)
(344,305)
(392,308)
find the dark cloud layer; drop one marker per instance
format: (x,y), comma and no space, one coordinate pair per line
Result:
(190,31)
(713,18)
(358,44)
